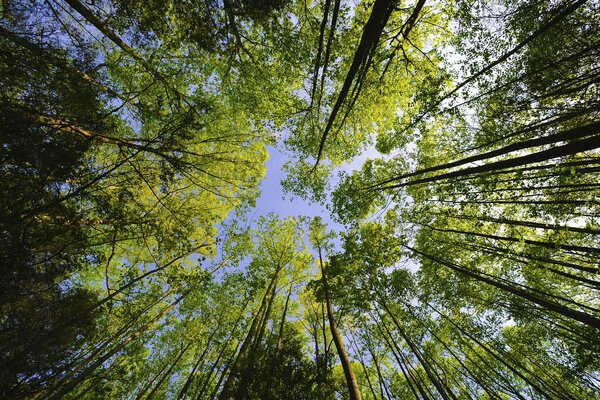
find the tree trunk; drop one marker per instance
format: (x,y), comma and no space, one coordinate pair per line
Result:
(353,389)
(239,363)
(586,144)
(580,316)
(89,370)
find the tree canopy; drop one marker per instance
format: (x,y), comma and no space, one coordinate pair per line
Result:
(451,146)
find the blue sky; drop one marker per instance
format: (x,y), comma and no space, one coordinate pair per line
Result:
(272,195)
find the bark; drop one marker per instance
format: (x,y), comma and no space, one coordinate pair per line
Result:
(163,377)
(102,27)
(580,316)
(492,250)
(353,389)
(380,13)
(471,375)
(530,224)
(242,355)
(222,352)
(320,41)
(278,343)
(334,18)
(548,245)
(192,374)
(568,135)
(73,129)
(586,144)
(404,367)
(364,367)
(61,63)
(68,387)
(495,356)
(248,366)
(382,384)
(543,29)
(433,377)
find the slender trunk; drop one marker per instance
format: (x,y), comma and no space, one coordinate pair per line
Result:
(432,376)
(278,343)
(568,135)
(67,388)
(240,360)
(73,129)
(334,18)
(530,224)
(382,384)
(59,62)
(62,327)
(586,144)
(320,41)
(573,188)
(510,256)
(364,367)
(580,316)
(402,363)
(192,374)
(222,352)
(548,245)
(543,29)
(458,359)
(163,377)
(380,13)
(102,27)
(248,366)
(494,355)
(353,389)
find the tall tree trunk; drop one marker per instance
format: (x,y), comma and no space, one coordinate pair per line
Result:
(353,389)
(380,13)
(69,386)
(568,135)
(580,316)
(248,368)
(542,30)
(579,146)
(278,343)
(414,348)
(59,62)
(163,377)
(102,27)
(240,360)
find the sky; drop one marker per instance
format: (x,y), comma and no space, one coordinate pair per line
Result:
(273,199)
(272,195)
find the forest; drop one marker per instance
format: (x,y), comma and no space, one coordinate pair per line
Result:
(449,151)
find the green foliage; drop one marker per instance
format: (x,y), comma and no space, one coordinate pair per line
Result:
(133,142)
